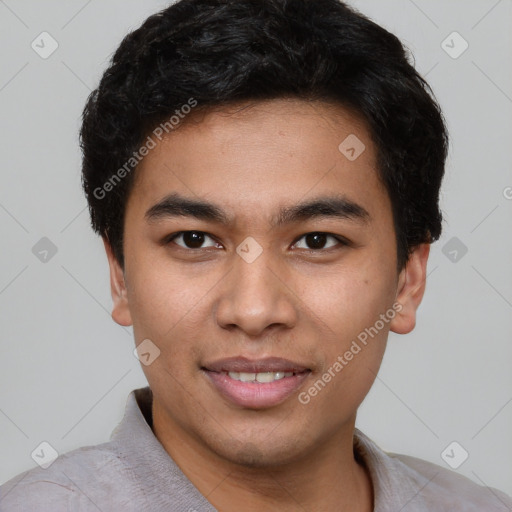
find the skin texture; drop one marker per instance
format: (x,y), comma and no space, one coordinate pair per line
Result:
(306,305)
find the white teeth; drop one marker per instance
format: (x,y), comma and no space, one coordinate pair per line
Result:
(263,377)
(269,376)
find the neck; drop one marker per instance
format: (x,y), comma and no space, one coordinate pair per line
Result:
(325,479)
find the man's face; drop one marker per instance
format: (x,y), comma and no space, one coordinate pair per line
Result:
(294,259)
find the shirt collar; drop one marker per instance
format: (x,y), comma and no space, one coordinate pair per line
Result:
(150,463)
(148,460)
(393,486)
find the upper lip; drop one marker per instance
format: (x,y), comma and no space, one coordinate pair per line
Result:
(243,364)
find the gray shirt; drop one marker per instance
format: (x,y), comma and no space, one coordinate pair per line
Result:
(133,472)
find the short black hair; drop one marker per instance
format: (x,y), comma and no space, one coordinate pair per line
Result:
(217,53)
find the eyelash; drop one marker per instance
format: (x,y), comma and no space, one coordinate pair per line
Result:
(341,240)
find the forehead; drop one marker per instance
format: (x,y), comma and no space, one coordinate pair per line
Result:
(255,157)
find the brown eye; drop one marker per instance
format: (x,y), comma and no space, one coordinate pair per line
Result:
(192,240)
(318,241)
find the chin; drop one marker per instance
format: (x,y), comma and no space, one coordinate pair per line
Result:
(258,455)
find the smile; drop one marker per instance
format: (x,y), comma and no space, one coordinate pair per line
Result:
(255,384)
(262,377)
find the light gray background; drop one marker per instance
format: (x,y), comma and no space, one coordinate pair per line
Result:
(66,368)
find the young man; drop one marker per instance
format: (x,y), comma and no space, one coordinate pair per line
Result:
(265,176)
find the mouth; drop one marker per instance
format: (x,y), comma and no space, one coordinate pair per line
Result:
(255,384)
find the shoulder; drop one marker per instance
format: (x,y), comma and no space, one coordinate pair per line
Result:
(410,484)
(77,480)
(443,489)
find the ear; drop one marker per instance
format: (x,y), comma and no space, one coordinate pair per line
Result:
(120,311)
(411,287)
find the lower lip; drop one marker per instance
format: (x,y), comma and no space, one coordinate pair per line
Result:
(256,395)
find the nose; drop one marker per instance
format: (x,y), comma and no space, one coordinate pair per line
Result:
(255,297)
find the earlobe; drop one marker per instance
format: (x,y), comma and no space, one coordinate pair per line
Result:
(411,287)
(120,310)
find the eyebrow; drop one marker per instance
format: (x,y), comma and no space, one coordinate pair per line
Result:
(176,205)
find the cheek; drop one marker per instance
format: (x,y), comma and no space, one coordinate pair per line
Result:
(164,298)
(166,309)
(353,332)
(352,343)
(346,301)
